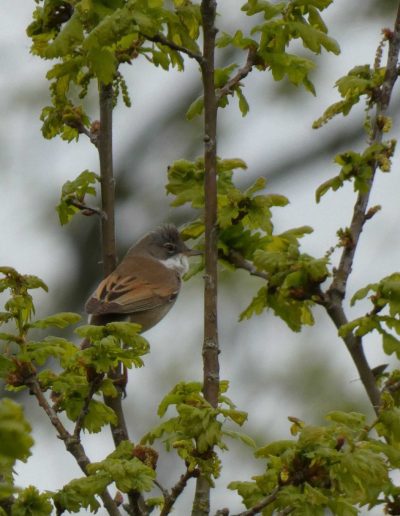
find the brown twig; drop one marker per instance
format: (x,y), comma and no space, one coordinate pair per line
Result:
(160,38)
(333,298)
(170,497)
(236,259)
(258,507)
(79,126)
(86,209)
(93,386)
(71,442)
(243,72)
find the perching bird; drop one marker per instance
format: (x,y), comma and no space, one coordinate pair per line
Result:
(145,285)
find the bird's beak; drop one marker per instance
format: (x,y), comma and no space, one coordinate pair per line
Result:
(192,252)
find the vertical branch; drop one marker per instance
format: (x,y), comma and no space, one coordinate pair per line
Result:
(201,503)
(334,296)
(107,179)
(119,431)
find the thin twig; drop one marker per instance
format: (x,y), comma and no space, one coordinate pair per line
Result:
(72,444)
(243,72)
(258,507)
(78,125)
(171,497)
(93,386)
(86,209)
(160,38)
(236,259)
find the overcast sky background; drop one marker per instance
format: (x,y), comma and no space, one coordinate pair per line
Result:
(258,355)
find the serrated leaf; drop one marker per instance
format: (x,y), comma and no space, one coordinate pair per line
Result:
(195,108)
(31,503)
(103,64)
(390,344)
(276,448)
(15,438)
(353,420)
(60,320)
(246,439)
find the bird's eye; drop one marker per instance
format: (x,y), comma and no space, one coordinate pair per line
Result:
(171,248)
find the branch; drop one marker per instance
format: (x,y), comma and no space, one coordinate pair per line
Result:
(86,209)
(171,497)
(94,384)
(342,273)
(236,259)
(160,38)
(333,298)
(243,72)
(120,430)
(354,345)
(72,444)
(201,502)
(92,134)
(107,178)
(258,507)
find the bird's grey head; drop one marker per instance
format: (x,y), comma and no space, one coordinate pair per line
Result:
(165,244)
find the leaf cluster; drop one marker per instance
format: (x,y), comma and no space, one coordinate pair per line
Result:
(360,81)
(83,371)
(359,168)
(121,467)
(90,39)
(293,279)
(384,316)
(245,226)
(268,44)
(285,22)
(73,195)
(198,428)
(337,467)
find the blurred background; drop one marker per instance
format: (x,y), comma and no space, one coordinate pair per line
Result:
(273,372)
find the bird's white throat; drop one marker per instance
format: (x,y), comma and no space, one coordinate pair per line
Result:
(178,263)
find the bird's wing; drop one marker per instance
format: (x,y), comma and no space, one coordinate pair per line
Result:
(126,292)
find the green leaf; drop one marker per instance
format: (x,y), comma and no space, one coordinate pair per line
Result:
(243,104)
(60,320)
(363,292)
(353,420)
(81,493)
(195,108)
(50,347)
(15,438)
(98,416)
(257,305)
(276,448)
(70,37)
(31,503)
(103,64)
(390,344)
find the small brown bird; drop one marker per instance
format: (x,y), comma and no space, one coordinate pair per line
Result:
(145,285)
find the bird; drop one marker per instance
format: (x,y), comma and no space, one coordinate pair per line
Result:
(145,285)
